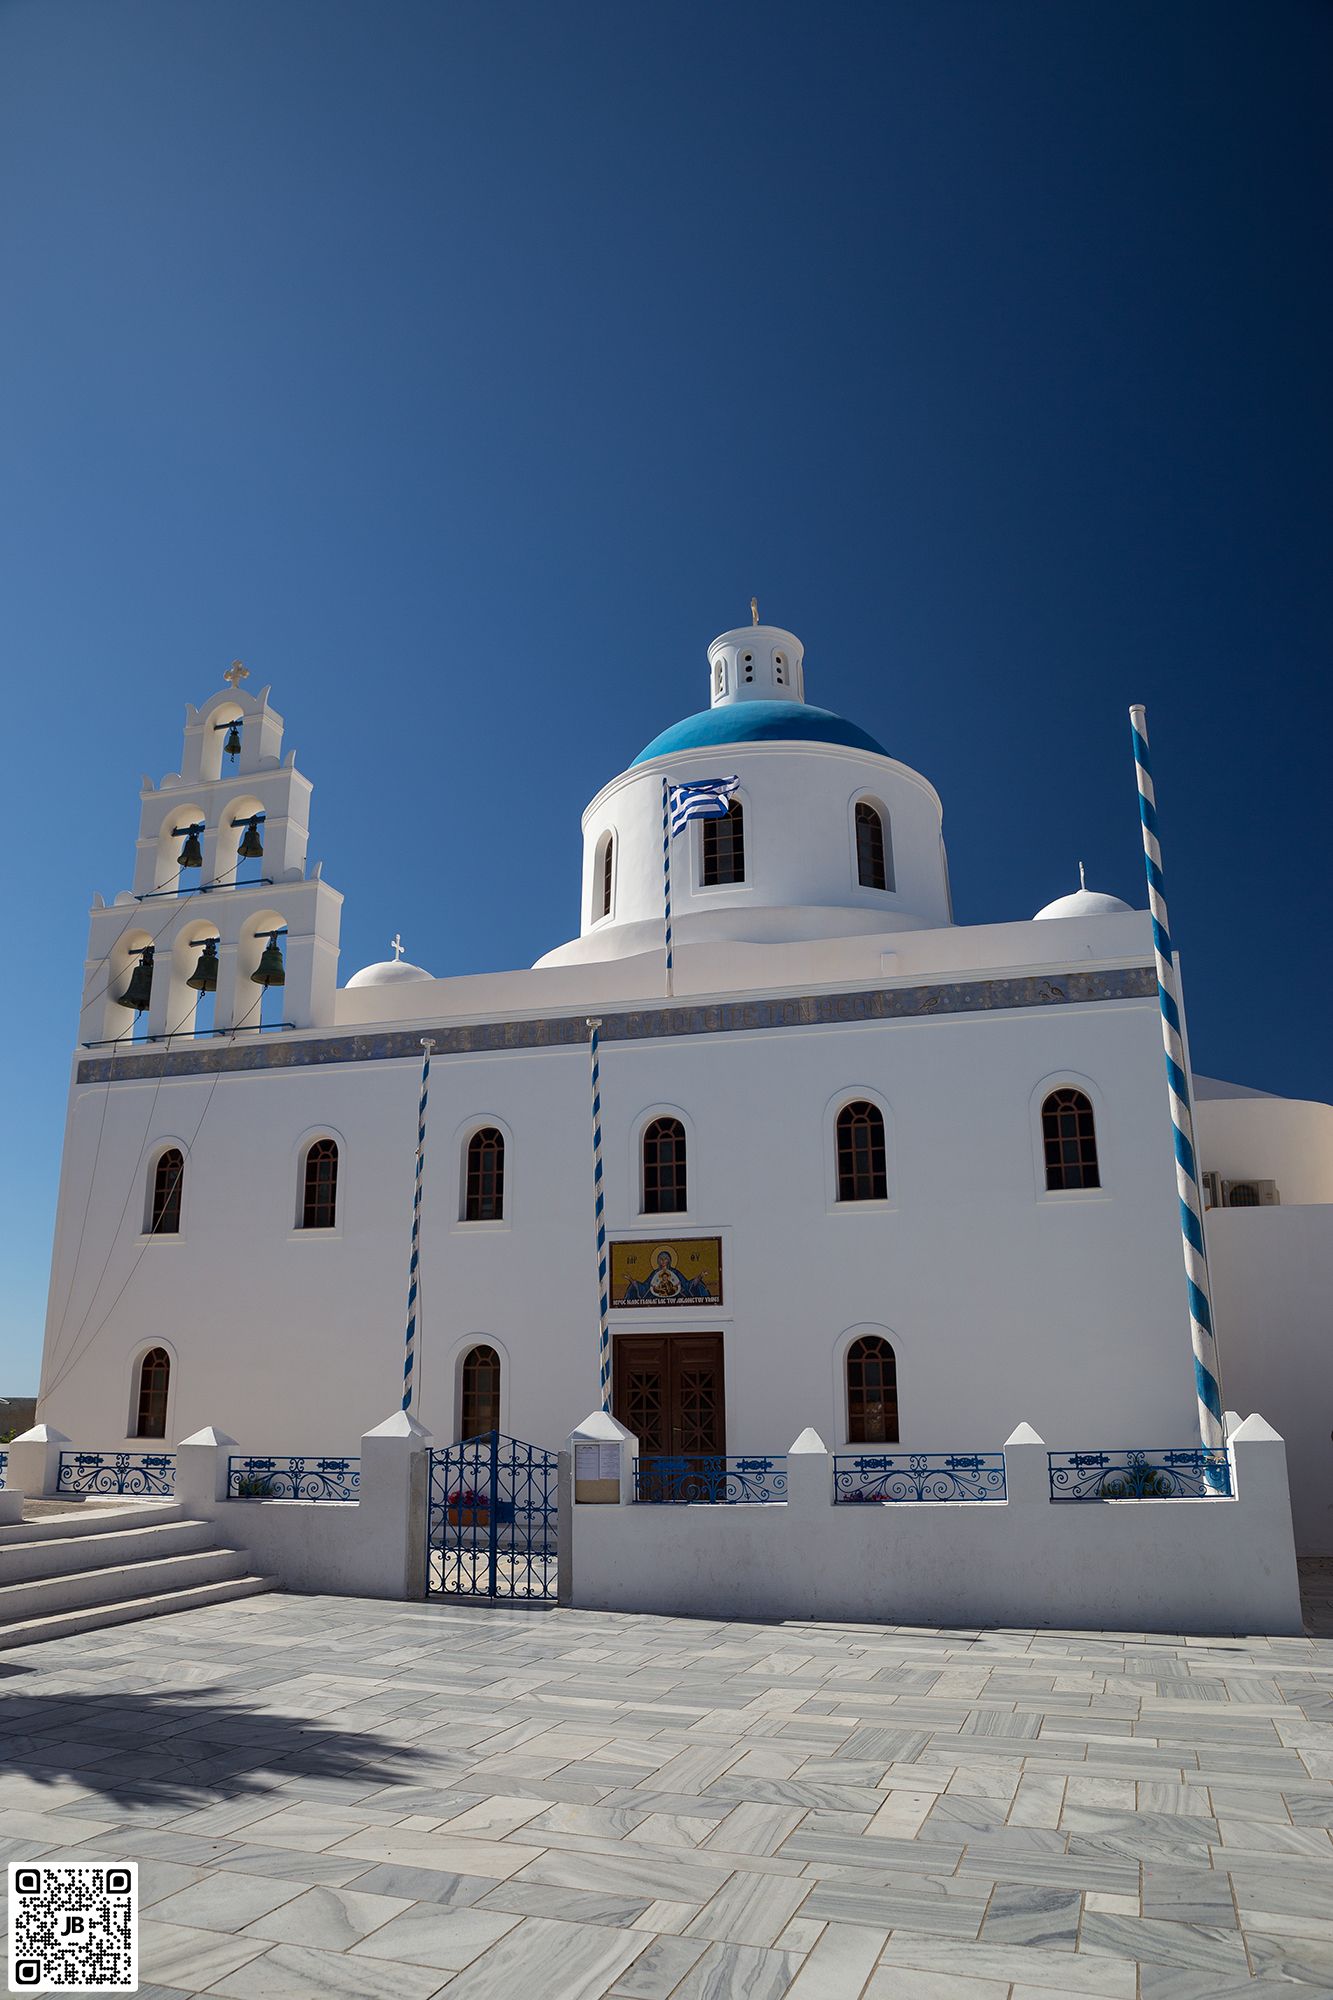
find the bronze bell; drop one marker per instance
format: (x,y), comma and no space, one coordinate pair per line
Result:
(269,971)
(252,846)
(204,978)
(231,742)
(192,854)
(140,989)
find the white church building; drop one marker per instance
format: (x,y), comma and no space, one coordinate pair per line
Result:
(866,1169)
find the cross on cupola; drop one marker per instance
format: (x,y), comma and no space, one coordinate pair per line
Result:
(396,943)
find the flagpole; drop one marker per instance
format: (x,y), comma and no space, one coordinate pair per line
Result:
(599,1223)
(666,882)
(414,1265)
(1206,1372)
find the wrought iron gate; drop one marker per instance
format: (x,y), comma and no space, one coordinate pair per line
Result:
(493,1520)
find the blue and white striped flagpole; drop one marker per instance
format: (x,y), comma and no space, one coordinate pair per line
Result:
(1206,1373)
(599,1220)
(666,878)
(414,1267)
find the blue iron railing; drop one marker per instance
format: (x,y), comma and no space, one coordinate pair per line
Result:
(710,1481)
(1185,1472)
(140,1474)
(289,1477)
(919,1475)
(4,1466)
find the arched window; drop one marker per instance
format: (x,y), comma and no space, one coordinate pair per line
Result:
(164,1217)
(319,1187)
(608,863)
(1070,1138)
(872,1391)
(872,870)
(724,847)
(484,1195)
(664,1167)
(862,1171)
(150,1409)
(480,1413)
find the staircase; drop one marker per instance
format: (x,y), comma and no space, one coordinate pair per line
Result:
(95,1566)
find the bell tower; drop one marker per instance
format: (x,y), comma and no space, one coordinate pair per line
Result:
(224,931)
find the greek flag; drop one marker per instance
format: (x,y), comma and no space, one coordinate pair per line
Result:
(706,799)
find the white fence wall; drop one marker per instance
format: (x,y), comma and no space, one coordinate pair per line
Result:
(1177,1566)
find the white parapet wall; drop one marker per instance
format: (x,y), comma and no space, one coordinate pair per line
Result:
(1208,1565)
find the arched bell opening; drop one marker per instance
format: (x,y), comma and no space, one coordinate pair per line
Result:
(261,973)
(130,972)
(180,850)
(241,843)
(224,735)
(195,967)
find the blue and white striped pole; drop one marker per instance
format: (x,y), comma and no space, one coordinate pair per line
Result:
(1206,1372)
(599,1221)
(666,877)
(414,1267)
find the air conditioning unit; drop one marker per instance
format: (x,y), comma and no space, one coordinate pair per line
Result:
(1212,1190)
(1250,1194)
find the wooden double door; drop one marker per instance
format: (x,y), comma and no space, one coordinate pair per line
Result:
(667,1388)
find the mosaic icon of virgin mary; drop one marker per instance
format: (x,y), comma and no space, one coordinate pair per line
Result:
(667,1285)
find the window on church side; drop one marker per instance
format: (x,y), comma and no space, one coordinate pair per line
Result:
(480,1413)
(664,1167)
(872,1392)
(319,1190)
(862,1169)
(1069,1136)
(165,1213)
(150,1409)
(608,864)
(724,847)
(871,860)
(484,1194)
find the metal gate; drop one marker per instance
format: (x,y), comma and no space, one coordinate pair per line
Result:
(493,1520)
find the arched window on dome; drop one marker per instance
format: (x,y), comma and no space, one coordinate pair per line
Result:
(164,1207)
(724,847)
(479,1413)
(484,1178)
(1069,1136)
(862,1167)
(872,1391)
(874,864)
(604,875)
(150,1395)
(664,1188)
(319,1185)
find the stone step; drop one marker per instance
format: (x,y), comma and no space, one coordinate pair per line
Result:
(72,1589)
(109,1547)
(86,1519)
(92,1617)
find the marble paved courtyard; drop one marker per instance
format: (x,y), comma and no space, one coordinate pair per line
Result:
(337,1797)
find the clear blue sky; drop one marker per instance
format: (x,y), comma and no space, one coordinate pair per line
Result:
(464,368)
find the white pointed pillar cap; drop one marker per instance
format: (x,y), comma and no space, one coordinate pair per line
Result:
(210,1434)
(601,1428)
(808,1441)
(1024,1434)
(1256,1430)
(399,1425)
(41,1434)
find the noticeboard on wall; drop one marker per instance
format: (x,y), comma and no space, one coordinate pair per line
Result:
(667,1271)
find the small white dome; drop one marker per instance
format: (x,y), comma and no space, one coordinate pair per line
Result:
(1084,903)
(389,972)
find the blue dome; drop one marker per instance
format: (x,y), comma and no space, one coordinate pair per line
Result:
(759,722)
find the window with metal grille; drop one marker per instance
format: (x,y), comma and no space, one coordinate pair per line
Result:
(150,1420)
(1070,1139)
(872,1392)
(319,1191)
(872,868)
(480,1414)
(862,1170)
(607,865)
(484,1199)
(724,847)
(168,1175)
(664,1167)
